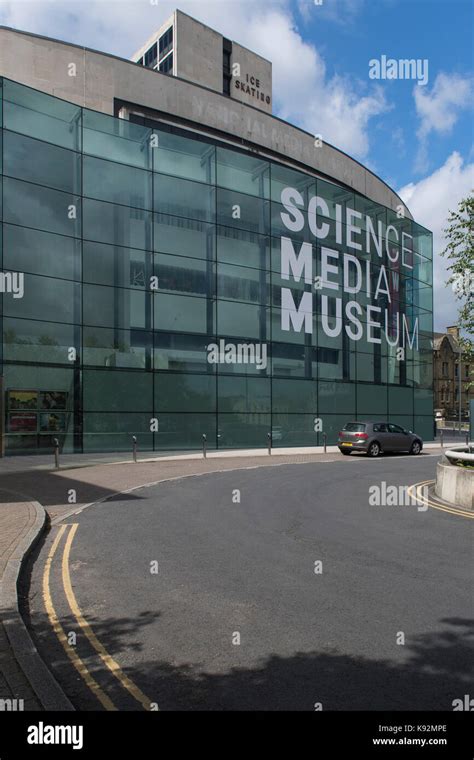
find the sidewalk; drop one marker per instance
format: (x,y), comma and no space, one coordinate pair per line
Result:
(28,483)
(16,522)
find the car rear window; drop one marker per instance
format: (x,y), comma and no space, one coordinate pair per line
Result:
(354,427)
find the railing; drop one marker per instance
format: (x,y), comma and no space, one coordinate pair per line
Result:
(461,454)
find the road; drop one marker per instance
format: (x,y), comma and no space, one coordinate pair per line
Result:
(267,588)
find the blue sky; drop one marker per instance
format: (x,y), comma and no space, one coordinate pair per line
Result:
(418,138)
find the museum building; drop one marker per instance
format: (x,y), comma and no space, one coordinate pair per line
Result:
(177,261)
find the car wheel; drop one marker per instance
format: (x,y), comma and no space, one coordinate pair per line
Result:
(415,448)
(374,449)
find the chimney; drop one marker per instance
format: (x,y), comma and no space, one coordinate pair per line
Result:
(454,331)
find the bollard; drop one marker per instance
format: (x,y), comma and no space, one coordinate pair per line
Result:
(134,447)
(467,439)
(325,438)
(441,438)
(56,453)
(269,440)
(204,445)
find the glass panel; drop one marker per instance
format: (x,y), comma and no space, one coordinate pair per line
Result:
(41,163)
(243,173)
(336,397)
(118,225)
(42,116)
(187,353)
(184,393)
(180,197)
(242,247)
(183,313)
(118,391)
(182,157)
(116,348)
(49,407)
(46,298)
(184,237)
(116,183)
(243,211)
(372,399)
(242,284)
(242,319)
(177,274)
(185,431)
(41,253)
(43,208)
(113,265)
(243,394)
(116,307)
(294,396)
(243,430)
(38,342)
(117,139)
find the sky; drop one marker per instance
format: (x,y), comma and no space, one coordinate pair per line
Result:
(416,136)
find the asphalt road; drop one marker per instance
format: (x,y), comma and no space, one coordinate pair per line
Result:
(385,623)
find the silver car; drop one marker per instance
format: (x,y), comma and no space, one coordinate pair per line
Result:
(374,438)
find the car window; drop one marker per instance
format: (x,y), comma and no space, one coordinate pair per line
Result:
(395,428)
(354,427)
(380,427)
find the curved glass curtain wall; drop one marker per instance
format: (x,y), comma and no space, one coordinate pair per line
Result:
(93,207)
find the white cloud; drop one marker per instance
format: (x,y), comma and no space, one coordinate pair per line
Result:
(430,200)
(438,110)
(304,94)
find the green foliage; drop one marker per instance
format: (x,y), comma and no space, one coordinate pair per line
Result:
(460,253)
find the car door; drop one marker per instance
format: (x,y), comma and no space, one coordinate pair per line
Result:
(382,434)
(398,438)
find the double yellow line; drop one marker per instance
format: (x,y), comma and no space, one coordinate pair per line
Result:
(416,492)
(78,663)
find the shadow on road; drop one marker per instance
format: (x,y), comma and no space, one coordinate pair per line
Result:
(436,669)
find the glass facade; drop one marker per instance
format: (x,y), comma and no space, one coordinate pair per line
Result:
(160,284)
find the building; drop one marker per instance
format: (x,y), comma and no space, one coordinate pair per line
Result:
(177,261)
(446,375)
(185,48)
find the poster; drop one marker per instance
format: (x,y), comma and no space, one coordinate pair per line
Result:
(52,422)
(22,422)
(53,399)
(22,399)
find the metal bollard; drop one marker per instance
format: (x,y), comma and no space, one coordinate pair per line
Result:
(467,439)
(56,453)
(441,438)
(325,438)
(134,447)
(269,440)
(204,445)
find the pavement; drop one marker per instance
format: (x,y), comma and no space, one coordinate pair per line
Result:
(28,484)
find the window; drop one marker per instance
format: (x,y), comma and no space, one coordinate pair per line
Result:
(395,428)
(226,64)
(167,64)
(151,56)
(456,370)
(467,371)
(166,42)
(445,369)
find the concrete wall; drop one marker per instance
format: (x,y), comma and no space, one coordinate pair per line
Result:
(199,53)
(259,73)
(43,63)
(455,484)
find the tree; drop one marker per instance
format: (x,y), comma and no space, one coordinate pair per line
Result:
(460,253)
